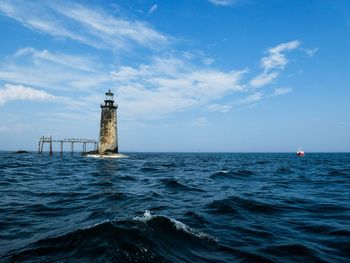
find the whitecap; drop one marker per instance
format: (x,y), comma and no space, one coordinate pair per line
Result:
(146,216)
(116,155)
(177,225)
(183,227)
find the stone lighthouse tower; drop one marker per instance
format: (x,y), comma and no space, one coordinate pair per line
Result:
(108,142)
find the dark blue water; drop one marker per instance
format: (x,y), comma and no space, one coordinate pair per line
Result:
(202,208)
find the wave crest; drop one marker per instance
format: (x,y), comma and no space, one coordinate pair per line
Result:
(144,239)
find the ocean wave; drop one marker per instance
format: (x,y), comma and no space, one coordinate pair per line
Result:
(127,178)
(175,185)
(228,174)
(338,173)
(236,205)
(170,225)
(285,170)
(150,238)
(299,252)
(149,170)
(50,208)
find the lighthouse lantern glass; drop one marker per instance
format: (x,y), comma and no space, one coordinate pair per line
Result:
(109,96)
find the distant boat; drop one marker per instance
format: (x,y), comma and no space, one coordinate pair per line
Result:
(300,152)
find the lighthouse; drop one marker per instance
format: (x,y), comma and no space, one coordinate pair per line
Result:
(108,141)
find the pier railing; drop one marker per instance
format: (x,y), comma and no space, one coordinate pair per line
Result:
(71,141)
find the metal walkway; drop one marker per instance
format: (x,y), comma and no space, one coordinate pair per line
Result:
(72,141)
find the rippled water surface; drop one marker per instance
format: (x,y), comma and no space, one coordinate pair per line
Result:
(201,208)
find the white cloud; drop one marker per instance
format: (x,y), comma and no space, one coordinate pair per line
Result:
(170,84)
(273,63)
(263,79)
(13,127)
(198,56)
(310,51)
(259,96)
(165,85)
(153,9)
(276,58)
(223,2)
(72,61)
(126,73)
(208,61)
(39,18)
(92,27)
(10,92)
(219,108)
(281,91)
(55,71)
(253,98)
(201,121)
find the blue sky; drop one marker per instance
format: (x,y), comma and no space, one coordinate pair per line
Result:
(188,75)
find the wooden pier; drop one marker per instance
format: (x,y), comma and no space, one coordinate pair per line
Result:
(70,141)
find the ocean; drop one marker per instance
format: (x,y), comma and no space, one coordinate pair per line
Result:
(175,207)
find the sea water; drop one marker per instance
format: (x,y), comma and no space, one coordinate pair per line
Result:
(175,207)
